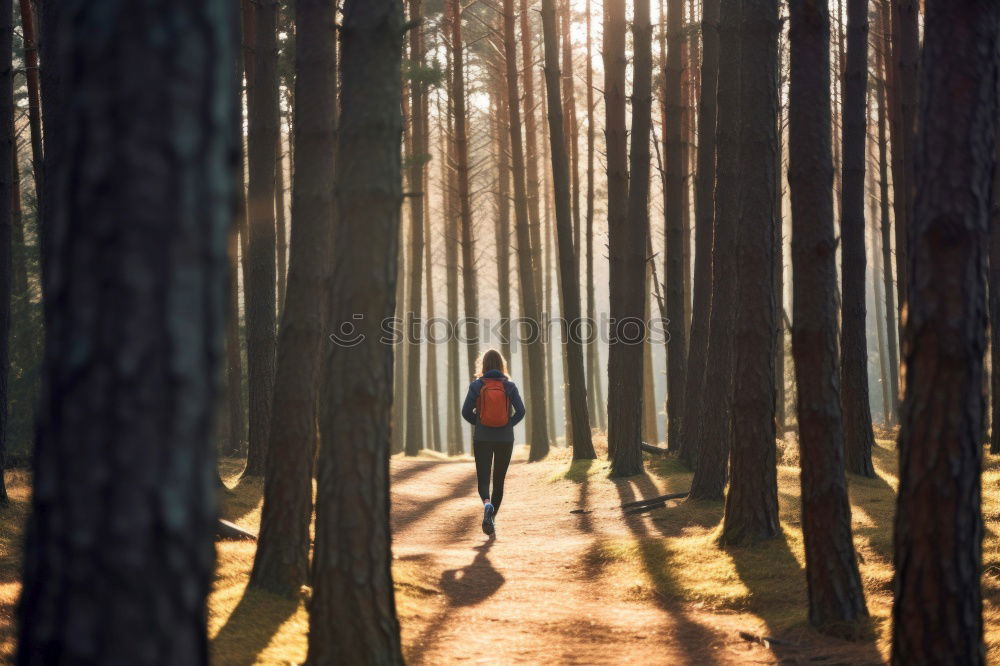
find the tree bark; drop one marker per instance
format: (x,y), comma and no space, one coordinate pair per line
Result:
(8,192)
(470,295)
(834,584)
(583,448)
(674,265)
(704,204)
(30,36)
(885,225)
(119,553)
(352,615)
(854,399)
(502,131)
(418,157)
(594,371)
(538,437)
(883,353)
(937,610)
(993,293)
(905,62)
(752,501)
(282,558)
(259,289)
(712,441)
(628,220)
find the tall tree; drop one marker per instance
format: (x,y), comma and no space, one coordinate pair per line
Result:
(8,192)
(259,289)
(453,430)
(583,448)
(834,584)
(674,203)
(503,207)
(538,437)
(593,362)
(352,614)
(282,557)
(904,93)
(883,352)
(119,556)
(752,501)
(704,213)
(30,35)
(417,159)
(628,220)
(993,293)
(858,435)
(712,436)
(470,296)
(937,610)
(885,225)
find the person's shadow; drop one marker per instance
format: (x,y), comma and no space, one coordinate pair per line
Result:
(475,582)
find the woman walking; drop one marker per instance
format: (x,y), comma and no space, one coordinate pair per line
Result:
(494,407)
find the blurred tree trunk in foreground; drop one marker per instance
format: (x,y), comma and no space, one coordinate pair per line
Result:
(937,614)
(119,555)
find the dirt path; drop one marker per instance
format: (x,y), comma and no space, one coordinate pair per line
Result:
(533,594)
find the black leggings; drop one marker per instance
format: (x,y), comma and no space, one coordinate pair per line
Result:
(497,455)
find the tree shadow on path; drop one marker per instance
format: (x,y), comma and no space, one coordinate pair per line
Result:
(698,640)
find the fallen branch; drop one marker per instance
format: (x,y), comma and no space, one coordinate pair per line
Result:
(649,448)
(644,508)
(655,500)
(766,641)
(227,530)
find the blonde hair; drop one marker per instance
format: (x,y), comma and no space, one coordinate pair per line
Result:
(492,360)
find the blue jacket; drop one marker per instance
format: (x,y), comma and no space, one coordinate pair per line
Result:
(486,433)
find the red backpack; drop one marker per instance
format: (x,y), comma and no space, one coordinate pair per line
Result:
(493,404)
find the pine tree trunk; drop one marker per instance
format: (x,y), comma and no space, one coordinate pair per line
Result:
(538,436)
(583,448)
(674,265)
(571,126)
(8,192)
(883,353)
(454,429)
(712,436)
(352,615)
(30,36)
(937,610)
(259,289)
(282,557)
(433,391)
(834,585)
(503,210)
(280,224)
(905,64)
(119,556)
(891,326)
(855,403)
(418,126)
(594,370)
(752,501)
(704,213)
(628,223)
(470,295)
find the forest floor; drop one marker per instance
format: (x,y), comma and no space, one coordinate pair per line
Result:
(569,578)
